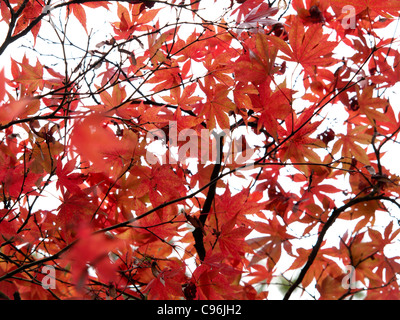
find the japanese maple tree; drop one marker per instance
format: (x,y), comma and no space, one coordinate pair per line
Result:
(173,151)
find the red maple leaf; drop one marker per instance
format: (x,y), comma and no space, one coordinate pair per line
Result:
(68,180)
(310,47)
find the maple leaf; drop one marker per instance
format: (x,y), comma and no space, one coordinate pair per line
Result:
(31,77)
(167,79)
(202,177)
(68,180)
(262,274)
(379,240)
(219,68)
(165,185)
(300,145)
(321,268)
(8,227)
(17,180)
(97,4)
(13,110)
(241,96)
(246,7)
(98,144)
(115,99)
(275,106)
(5,12)
(131,21)
(331,288)
(190,49)
(74,211)
(153,228)
(31,10)
(217,106)
(389,292)
(213,278)
(391,74)
(239,205)
(260,58)
(230,239)
(185,99)
(365,211)
(80,13)
(167,282)
(365,256)
(310,47)
(270,245)
(369,106)
(258,16)
(92,250)
(350,145)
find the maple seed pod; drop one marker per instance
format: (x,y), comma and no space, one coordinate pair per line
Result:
(316,15)
(282,69)
(190,291)
(327,136)
(353,165)
(354,106)
(279,31)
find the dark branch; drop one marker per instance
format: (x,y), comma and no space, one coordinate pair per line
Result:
(335,214)
(198,231)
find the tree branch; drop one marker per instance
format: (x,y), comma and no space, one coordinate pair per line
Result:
(335,214)
(198,231)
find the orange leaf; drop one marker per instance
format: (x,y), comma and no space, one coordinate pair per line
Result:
(79,13)
(350,143)
(92,251)
(308,47)
(231,240)
(217,105)
(97,143)
(12,110)
(31,77)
